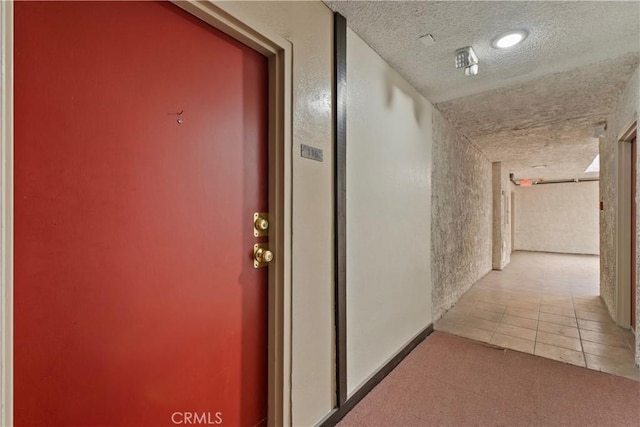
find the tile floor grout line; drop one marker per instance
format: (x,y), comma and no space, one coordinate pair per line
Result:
(575,312)
(493,334)
(556,295)
(535,342)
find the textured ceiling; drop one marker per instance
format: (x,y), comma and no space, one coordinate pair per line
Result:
(548,120)
(536,103)
(563,35)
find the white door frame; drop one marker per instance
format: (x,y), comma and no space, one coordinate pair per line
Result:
(623,227)
(6,209)
(279,53)
(513,218)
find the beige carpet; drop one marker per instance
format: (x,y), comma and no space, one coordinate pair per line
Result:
(452,381)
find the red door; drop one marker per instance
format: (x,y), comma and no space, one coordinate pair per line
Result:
(140,157)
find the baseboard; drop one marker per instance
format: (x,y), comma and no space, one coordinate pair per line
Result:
(338,413)
(554,252)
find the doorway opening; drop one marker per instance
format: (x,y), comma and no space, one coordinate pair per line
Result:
(626,229)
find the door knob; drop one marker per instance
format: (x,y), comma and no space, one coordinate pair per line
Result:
(262,256)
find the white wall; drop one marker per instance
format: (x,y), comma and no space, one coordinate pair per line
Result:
(389,138)
(558,218)
(309,27)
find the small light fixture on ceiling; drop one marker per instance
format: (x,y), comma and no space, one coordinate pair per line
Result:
(539,166)
(509,39)
(471,70)
(466,58)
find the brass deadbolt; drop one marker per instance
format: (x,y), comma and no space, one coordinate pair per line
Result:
(260,224)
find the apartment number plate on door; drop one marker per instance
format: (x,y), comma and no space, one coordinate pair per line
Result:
(312,153)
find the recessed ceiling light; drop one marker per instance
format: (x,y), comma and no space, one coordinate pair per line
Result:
(539,166)
(509,39)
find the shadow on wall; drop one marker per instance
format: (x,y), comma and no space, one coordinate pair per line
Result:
(391,87)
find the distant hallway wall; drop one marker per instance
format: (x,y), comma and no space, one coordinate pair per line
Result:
(558,218)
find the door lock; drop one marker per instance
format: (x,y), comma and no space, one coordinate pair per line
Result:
(260,224)
(262,256)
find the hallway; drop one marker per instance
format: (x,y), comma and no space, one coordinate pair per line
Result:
(451,381)
(548,305)
(278,211)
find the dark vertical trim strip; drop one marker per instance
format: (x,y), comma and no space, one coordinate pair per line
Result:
(340,201)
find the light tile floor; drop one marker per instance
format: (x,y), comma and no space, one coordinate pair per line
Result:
(547,305)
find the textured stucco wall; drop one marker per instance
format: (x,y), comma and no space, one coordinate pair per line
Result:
(388,212)
(558,218)
(625,112)
(309,28)
(608,182)
(461,228)
(501,188)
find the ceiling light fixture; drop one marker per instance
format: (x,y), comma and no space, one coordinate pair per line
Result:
(539,166)
(509,39)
